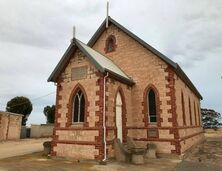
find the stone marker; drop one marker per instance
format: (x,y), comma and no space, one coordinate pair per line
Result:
(47,147)
(151,152)
(137,159)
(121,153)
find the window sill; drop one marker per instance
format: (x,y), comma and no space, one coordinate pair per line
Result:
(152,123)
(77,124)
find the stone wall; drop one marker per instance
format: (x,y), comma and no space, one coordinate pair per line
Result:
(191,141)
(113,87)
(85,141)
(191,131)
(151,71)
(40,131)
(191,110)
(10,126)
(68,137)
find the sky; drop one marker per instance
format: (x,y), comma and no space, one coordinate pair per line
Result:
(35,34)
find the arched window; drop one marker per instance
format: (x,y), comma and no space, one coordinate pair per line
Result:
(151,99)
(195,112)
(110,44)
(191,122)
(79,106)
(198,111)
(183,109)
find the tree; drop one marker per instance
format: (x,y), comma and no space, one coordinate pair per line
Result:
(20,105)
(49,112)
(210,118)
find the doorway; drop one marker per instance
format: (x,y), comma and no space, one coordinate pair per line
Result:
(119,110)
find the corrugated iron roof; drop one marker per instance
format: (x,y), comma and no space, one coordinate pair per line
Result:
(102,63)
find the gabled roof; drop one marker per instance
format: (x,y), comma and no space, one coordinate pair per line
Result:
(102,63)
(174,65)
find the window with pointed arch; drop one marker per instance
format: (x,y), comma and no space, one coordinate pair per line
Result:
(195,112)
(110,44)
(191,121)
(78,107)
(183,109)
(151,100)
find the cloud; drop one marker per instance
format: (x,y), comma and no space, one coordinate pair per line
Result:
(197,35)
(35,34)
(44,23)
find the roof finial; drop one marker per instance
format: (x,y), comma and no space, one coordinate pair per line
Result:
(73,33)
(107,14)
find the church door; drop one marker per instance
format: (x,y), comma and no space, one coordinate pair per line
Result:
(119,117)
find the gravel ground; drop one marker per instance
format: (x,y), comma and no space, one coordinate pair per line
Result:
(21,147)
(38,162)
(195,166)
(204,157)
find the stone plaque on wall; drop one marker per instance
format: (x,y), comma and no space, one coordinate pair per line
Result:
(152,133)
(79,73)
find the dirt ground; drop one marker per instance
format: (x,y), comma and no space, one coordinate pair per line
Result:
(208,152)
(204,157)
(21,147)
(38,162)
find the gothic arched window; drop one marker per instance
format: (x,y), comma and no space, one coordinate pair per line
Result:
(195,112)
(191,122)
(183,109)
(152,114)
(79,106)
(110,44)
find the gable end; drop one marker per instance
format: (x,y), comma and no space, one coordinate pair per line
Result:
(174,65)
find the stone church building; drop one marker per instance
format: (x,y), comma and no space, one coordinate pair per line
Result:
(116,86)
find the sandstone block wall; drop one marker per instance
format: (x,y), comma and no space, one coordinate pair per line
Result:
(191,131)
(143,67)
(43,130)
(112,88)
(191,111)
(146,70)
(69,137)
(189,142)
(10,126)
